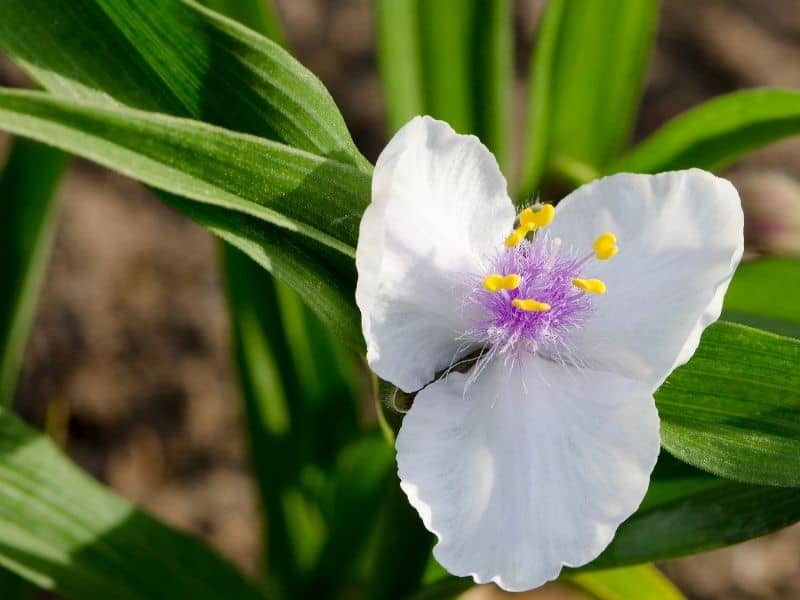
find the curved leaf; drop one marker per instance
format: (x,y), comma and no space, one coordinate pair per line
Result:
(177,57)
(62,531)
(734,409)
(717,132)
(311,195)
(644,581)
(687,511)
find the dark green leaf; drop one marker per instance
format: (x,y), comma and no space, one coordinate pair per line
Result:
(258,15)
(586,77)
(717,132)
(62,531)
(734,409)
(27,223)
(687,511)
(186,61)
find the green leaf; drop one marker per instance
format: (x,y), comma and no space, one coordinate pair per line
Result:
(446,32)
(644,581)
(62,531)
(399,60)
(327,286)
(585,83)
(27,224)
(493,67)
(687,511)
(258,15)
(765,293)
(734,409)
(717,132)
(449,588)
(314,196)
(186,61)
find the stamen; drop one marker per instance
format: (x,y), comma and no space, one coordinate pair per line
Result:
(605,246)
(532,221)
(593,286)
(496,282)
(516,237)
(530,305)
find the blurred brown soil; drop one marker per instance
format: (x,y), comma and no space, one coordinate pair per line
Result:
(129,357)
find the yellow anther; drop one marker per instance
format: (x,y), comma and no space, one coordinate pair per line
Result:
(516,237)
(530,305)
(593,286)
(532,221)
(495,282)
(605,246)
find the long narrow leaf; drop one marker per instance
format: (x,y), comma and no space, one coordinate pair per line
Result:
(587,73)
(687,511)
(62,531)
(734,409)
(27,223)
(717,132)
(314,196)
(644,581)
(186,61)
(399,60)
(258,15)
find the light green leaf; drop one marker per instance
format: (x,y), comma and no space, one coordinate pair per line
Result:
(399,60)
(644,581)
(27,224)
(304,193)
(717,132)
(766,293)
(585,82)
(734,409)
(687,511)
(446,32)
(62,531)
(186,61)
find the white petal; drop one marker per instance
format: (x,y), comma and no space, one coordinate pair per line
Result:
(439,204)
(680,239)
(527,470)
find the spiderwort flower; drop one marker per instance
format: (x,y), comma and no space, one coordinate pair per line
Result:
(531,460)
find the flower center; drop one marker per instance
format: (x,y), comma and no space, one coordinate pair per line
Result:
(536,291)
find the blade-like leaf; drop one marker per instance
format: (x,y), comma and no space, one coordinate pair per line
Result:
(644,581)
(445,31)
(327,287)
(316,197)
(766,293)
(586,77)
(717,132)
(186,61)
(258,15)
(734,409)
(64,532)
(399,60)
(27,223)
(687,511)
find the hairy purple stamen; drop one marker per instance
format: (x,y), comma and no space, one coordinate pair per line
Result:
(546,271)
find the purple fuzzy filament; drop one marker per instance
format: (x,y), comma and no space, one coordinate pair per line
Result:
(546,270)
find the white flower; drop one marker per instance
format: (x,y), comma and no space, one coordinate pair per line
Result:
(532,460)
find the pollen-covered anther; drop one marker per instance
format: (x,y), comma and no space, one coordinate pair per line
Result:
(516,237)
(605,246)
(530,305)
(593,286)
(532,220)
(496,282)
